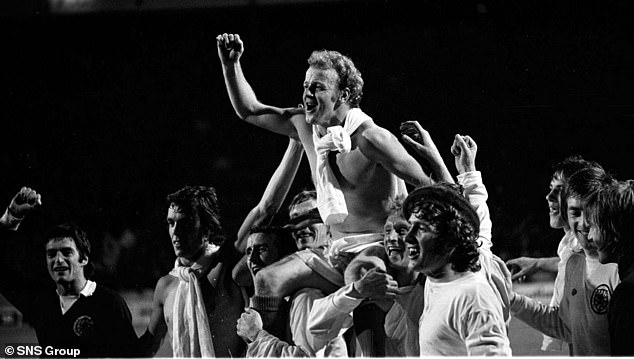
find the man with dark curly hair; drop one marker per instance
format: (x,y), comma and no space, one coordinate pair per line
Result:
(462,313)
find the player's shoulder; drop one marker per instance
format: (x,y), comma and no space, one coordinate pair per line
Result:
(166,281)
(625,289)
(370,133)
(108,298)
(106,292)
(299,121)
(301,126)
(164,286)
(301,116)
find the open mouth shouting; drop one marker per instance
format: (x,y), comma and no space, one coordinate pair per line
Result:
(395,250)
(413,251)
(310,105)
(304,238)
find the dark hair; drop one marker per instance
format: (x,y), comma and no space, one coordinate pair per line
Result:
(349,76)
(302,196)
(76,234)
(456,222)
(204,201)
(583,184)
(281,238)
(567,167)
(611,209)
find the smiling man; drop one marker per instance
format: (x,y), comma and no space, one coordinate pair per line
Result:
(581,317)
(306,225)
(611,214)
(462,314)
(197,303)
(357,166)
(76,313)
(265,246)
(526,266)
(380,301)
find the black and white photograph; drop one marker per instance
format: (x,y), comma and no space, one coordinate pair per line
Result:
(316,178)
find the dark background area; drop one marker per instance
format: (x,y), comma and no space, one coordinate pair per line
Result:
(106,113)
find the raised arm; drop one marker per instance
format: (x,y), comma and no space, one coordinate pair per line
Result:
(464,149)
(242,96)
(381,146)
(419,140)
(274,194)
(20,290)
(24,202)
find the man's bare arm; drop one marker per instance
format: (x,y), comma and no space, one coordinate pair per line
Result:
(241,94)
(23,203)
(274,194)
(241,274)
(526,266)
(381,146)
(151,340)
(419,139)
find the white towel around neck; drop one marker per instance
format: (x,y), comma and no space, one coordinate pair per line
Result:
(330,199)
(191,336)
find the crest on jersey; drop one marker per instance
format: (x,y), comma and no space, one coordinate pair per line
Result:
(600,299)
(83,326)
